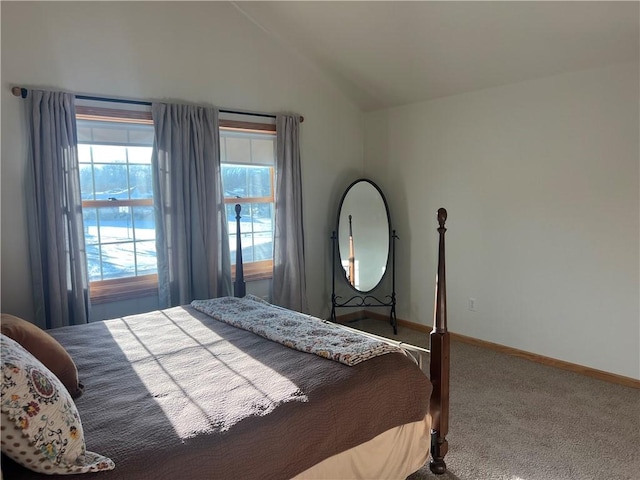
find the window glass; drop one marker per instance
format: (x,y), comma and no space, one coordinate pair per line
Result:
(242,181)
(117,193)
(248,160)
(109,154)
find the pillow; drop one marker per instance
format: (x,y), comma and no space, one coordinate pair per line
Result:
(41,427)
(45,348)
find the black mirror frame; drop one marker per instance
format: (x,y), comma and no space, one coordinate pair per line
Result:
(389,230)
(362,299)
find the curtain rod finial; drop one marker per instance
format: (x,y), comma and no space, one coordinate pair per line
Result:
(19,92)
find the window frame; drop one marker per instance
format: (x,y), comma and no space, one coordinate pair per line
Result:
(261,269)
(105,291)
(116,289)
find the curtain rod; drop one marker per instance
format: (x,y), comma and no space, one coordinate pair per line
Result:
(22,92)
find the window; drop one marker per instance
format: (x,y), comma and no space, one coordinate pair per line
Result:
(247,153)
(115,148)
(117,202)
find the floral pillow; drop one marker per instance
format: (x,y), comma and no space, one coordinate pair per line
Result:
(41,428)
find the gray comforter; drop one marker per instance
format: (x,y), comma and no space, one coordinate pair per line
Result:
(175,394)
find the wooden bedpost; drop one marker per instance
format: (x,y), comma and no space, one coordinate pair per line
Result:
(439,363)
(239,286)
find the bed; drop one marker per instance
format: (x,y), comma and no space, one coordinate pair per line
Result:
(213,390)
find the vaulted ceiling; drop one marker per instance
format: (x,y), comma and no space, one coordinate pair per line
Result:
(390,53)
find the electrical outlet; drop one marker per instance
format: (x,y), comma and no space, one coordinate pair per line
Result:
(472,304)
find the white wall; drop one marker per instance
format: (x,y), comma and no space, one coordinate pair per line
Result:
(196,52)
(541,183)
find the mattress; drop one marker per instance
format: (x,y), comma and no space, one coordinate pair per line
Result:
(177,394)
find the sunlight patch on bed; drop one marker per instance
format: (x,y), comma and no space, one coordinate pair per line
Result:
(180,367)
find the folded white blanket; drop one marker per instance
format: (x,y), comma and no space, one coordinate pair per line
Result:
(294,330)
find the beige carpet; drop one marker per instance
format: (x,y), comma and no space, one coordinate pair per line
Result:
(513,419)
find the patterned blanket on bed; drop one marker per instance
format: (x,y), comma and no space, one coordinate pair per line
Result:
(294,330)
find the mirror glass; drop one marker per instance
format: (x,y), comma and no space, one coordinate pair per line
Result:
(363,235)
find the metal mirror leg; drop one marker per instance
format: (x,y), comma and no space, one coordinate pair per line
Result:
(364,300)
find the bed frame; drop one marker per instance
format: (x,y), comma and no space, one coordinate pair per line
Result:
(439,364)
(397,371)
(439,341)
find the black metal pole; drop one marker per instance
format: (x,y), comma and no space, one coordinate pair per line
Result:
(23,92)
(393,319)
(333,276)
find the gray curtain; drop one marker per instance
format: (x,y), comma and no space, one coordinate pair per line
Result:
(289,284)
(191,227)
(54,212)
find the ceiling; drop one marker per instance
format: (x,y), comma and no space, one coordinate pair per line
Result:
(389,53)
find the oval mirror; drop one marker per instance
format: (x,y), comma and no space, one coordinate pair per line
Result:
(364,234)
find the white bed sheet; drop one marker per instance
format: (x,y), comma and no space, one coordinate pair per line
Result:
(394,454)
